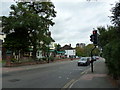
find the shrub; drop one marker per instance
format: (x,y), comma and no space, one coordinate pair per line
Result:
(112,55)
(44,58)
(51,58)
(13,60)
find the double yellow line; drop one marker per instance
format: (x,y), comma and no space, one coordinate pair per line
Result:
(69,83)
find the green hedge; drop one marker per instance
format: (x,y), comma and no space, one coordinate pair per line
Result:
(112,55)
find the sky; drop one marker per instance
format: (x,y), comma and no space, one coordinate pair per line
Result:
(75,19)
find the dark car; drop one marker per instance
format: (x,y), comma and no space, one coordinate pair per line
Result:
(84,61)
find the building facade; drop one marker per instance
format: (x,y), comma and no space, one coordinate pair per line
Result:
(69,51)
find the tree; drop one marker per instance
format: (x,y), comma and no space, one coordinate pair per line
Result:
(57,47)
(17,41)
(106,35)
(34,18)
(109,42)
(80,51)
(88,49)
(116,15)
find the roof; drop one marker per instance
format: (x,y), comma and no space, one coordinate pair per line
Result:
(60,51)
(67,47)
(52,50)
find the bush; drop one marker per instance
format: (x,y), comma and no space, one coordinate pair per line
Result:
(14,60)
(51,58)
(44,58)
(112,55)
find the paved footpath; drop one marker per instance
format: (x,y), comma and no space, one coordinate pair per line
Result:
(97,79)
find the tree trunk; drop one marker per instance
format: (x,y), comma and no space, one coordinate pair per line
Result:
(34,52)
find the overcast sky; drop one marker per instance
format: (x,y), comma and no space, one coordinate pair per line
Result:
(75,19)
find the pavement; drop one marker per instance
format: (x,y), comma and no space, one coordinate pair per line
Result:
(98,79)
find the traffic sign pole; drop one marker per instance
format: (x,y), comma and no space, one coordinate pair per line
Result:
(92,60)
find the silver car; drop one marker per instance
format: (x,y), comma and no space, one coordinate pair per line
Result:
(84,61)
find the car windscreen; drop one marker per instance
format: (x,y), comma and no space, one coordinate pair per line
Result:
(83,59)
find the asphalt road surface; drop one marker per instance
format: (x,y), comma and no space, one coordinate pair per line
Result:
(52,75)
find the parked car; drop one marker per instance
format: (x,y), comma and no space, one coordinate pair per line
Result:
(84,61)
(95,57)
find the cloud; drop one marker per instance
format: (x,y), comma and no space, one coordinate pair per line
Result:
(75,21)
(5,7)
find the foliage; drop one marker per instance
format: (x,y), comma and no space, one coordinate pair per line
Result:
(44,58)
(80,51)
(32,20)
(106,35)
(110,43)
(57,47)
(51,58)
(17,41)
(86,51)
(116,15)
(14,60)
(112,56)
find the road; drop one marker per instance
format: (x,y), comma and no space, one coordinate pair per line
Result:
(52,75)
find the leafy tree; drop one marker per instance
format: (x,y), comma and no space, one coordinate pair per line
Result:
(116,15)
(58,46)
(80,51)
(34,18)
(17,41)
(88,49)
(106,35)
(109,42)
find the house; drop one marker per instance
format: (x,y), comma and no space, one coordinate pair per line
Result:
(69,51)
(2,36)
(51,50)
(2,49)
